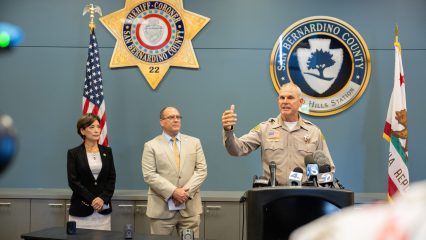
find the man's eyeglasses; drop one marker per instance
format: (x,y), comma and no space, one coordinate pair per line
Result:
(173,117)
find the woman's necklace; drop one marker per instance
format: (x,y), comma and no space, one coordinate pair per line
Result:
(93,150)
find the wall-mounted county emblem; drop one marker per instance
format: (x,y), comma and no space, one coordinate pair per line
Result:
(327,58)
(154,35)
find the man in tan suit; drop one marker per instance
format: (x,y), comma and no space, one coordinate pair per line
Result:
(174,167)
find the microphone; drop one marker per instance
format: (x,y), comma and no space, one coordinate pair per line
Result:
(312,172)
(325,176)
(272,169)
(320,158)
(324,168)
(260,181)
(309,159)
(295,178)
(255,177)
(311,169)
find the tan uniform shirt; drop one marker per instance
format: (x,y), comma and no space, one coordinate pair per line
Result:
(287,148)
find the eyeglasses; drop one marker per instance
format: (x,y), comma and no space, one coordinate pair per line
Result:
(173,117)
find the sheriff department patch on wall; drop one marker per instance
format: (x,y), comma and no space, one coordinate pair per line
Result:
(327,58)
(154,35)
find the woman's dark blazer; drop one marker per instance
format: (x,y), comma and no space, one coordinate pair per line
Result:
(84,186)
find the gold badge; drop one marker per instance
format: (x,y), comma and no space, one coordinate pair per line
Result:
(307,139)
(154,35)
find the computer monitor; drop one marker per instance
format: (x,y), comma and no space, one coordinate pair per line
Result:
(273,213)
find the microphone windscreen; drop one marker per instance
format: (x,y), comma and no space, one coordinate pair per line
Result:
(309,159)
(320,158)
(324,168)
(298,169)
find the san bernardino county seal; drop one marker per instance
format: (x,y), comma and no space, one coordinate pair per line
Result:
(327,58)
(154,35)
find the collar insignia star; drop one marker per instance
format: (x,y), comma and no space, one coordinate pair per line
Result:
(154,36)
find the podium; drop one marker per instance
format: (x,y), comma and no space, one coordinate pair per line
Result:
(274,212)
(59,233)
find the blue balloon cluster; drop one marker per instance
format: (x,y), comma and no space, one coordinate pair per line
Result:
(10,35)
(8,141)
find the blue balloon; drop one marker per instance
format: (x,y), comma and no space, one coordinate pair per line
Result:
(7,148)
(8,142)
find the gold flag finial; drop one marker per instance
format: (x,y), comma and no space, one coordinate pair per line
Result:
(92,9)
(396,43)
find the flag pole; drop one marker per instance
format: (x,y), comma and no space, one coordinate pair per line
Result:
(92,9)
(93,95)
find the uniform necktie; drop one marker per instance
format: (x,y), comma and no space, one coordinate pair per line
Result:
(176,153)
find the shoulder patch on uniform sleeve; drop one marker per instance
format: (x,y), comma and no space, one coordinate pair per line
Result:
(322,137)
(256,128)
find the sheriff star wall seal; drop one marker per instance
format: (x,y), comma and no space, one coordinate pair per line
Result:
(327,58)
(154,35)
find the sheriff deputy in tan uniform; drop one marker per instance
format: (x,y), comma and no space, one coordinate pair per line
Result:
(286,139)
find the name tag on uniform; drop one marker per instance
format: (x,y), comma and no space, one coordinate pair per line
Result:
(273,136)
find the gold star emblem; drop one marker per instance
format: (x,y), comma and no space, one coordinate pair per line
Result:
(154,35)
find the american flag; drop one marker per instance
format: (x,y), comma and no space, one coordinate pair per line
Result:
(93,93)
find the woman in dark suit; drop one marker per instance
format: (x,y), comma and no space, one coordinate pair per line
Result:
(91,177)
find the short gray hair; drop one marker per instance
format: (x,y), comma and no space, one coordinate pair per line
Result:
(299,91)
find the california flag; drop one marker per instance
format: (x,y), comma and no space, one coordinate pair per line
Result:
(396,132)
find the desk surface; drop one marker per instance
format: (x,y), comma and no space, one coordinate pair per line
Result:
(59,233)
(135,195)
